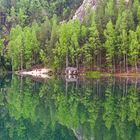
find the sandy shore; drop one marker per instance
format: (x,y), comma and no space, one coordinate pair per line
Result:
(40,73)
(44,73)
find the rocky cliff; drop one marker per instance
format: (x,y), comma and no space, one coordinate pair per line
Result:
(81,11)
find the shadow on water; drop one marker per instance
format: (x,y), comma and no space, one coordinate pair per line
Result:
(63,109)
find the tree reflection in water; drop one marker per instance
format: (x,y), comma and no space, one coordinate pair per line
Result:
(85,109)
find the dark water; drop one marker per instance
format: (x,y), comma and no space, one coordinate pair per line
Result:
(86,109)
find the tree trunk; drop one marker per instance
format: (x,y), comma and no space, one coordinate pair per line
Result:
(21,66)
(126,63)
(120,67)
(136,67)
(21,60)
(12,64)
(97,61)
(67,60)
(114,64)
(100,59)
(77,66)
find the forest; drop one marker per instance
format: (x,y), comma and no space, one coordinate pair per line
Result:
(34,32)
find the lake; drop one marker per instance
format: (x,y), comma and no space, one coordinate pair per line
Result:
(69,109)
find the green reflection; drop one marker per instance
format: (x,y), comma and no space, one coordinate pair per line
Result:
(99,109)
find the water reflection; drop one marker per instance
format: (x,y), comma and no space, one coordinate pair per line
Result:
(59,109)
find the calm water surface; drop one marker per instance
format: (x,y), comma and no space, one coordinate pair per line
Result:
(82,109)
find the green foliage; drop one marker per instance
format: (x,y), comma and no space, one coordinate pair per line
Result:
(93,74)
(23,46)
(68,43)
(96,74)
(134,48)
(42,32)
(110,43)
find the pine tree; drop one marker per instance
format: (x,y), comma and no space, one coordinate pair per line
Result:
(138,15)
(123,24)
(76,28)
(110,10)
(94,44)
(110,44)
(135,7)
(134,49)
(16,48)
(53,39)
(62,49)
(21,17)
(123,49)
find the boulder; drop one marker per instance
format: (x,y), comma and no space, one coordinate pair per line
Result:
(71,71)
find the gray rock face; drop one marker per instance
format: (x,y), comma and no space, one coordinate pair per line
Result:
(81,11)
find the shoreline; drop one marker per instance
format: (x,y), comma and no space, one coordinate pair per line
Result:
(98,74)
(46,73)
(37,73)
(137,75)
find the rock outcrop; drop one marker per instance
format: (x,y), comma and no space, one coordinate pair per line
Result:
(81,11)
(87,4)
(38,73)
(71,71)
